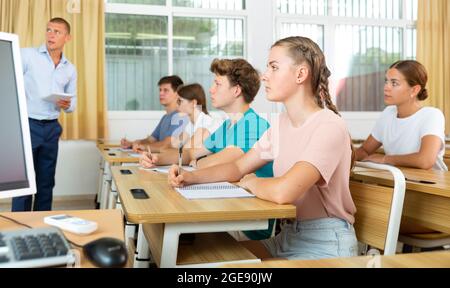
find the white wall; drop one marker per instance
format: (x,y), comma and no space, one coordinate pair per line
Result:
(77,169)
(132,125)
(258,47)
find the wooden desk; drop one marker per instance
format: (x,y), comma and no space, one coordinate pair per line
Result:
(101,144)
(110,156)
(110,224)
(115,155)
(172,214)
(426,204)
(418,260)
(447,155)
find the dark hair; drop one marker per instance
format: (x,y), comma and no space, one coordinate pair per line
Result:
(193,92)
(173,80)
(304,50)
(61,21)
(239,72)
(415,74)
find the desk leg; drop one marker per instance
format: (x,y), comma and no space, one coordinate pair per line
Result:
(118,204)
(112,196)
(142,259)
(130,228)
(101,179)
(172,233)
(130,231)
(106,186)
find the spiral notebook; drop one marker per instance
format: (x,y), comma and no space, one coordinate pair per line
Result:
(213,191)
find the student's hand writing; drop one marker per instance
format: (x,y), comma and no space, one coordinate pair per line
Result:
(148,160)
(174,179)
(376,158)
(138,147)
(64,104)
(125,144)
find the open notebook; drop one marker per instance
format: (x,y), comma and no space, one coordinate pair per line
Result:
(213,191)
(134,155)
(126,150)
(130,152)
(165,169)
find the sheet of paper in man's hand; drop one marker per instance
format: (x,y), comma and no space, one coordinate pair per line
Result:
(54,97)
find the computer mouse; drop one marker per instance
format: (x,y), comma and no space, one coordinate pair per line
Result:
(106,252)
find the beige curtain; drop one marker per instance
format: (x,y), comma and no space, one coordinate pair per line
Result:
(433,50)
(28,19)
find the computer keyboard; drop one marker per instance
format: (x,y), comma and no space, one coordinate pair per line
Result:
(37,247)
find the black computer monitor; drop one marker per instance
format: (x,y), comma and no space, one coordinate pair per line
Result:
(16,158)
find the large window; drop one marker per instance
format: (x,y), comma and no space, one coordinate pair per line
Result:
(197,41)
(360,38)
(149,39)
(136,56)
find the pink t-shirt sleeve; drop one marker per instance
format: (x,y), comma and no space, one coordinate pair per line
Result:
(325,149)
(264,146)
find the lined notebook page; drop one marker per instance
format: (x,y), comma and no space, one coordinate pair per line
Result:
(125,150)
(135,155)
(213,191)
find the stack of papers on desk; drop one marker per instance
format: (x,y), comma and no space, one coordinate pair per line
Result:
(213,191)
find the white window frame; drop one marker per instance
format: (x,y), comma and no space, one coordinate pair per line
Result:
(170,12)
(330,23)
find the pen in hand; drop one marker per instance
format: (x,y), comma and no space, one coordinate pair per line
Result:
(149,150)
(180,158)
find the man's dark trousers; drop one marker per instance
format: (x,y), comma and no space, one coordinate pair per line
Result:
(44,139)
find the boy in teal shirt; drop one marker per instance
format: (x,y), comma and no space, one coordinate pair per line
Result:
(244,134)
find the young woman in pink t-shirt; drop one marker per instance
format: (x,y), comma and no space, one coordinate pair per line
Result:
(312,154)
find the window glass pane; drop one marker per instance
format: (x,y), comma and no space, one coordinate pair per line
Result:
(212,4)
(313,31)
(411,43)
(384,9)
(136,58)
(303,7)
(197,41)
(148,2)
(411,9)
(361,62)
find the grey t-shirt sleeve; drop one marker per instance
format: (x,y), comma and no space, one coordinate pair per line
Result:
(157,132)
(176,125)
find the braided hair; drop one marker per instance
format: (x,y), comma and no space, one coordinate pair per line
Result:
(304,50)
